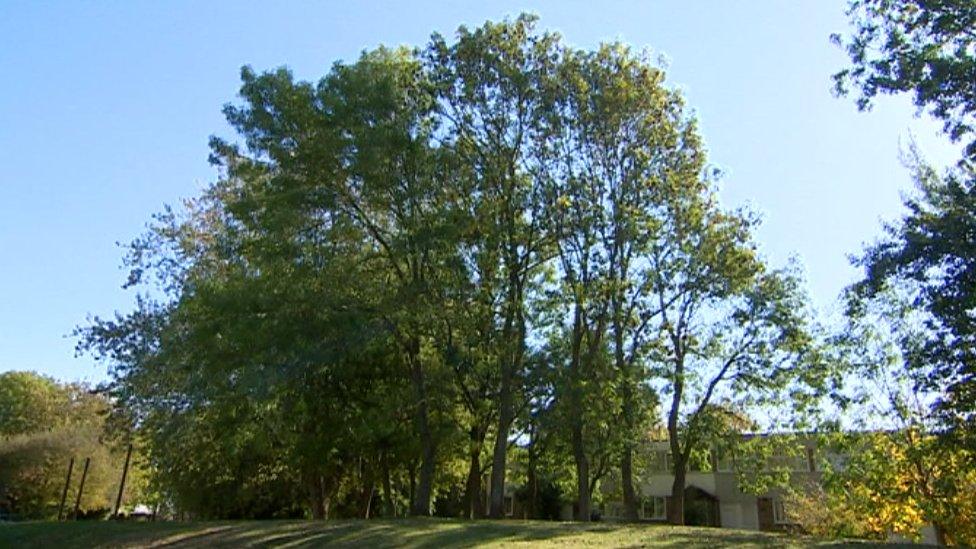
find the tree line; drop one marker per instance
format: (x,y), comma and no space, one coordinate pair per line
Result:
(47,428)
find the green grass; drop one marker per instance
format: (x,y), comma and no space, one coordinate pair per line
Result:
(434,533)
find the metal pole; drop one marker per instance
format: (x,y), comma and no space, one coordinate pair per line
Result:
(125,471)
(64,494)
(81,487)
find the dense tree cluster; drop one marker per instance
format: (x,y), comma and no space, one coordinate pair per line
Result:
(43,426)
(494,257)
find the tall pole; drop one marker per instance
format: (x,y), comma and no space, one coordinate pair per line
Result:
(81,487)
(125,471)
(64,494)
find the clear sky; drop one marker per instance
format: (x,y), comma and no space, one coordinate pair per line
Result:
(106,108)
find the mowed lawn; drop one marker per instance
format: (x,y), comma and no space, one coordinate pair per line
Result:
(413,533)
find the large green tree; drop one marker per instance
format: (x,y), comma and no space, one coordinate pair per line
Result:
(491,86)
(729,329)
(617,137)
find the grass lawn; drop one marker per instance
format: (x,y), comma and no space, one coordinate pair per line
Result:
(434,533)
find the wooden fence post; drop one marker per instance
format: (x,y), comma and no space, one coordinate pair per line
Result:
(81,487)
(125,471)
(64,494)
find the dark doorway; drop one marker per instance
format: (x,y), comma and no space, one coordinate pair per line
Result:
(701,508)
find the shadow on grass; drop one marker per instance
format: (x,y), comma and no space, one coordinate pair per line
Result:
(406,533)
(400,533)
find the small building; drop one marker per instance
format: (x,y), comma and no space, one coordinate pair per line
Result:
(713,496)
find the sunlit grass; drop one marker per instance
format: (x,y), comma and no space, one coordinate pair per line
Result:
(406,533)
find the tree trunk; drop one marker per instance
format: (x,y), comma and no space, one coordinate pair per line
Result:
(64,494)
(514,336)
(576,419)
(125,473)
(366,476)
(676,507)
(625,369)
(388,510)
(326,504)
(941,537)
(627,481)
(532,478)
(582,474)
(420,505)
(368,498)
(498,461)
(474,502)
(316,498)
(413,482)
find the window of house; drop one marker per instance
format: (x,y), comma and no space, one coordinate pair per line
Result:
(780,515)
(659,461)
(653,508)
(724,463)
(509,506)
(796,462)
(613,510)
(838,462)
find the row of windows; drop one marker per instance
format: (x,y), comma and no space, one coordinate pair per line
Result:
(651,508)
(661,461)
(780,515)
(654,508)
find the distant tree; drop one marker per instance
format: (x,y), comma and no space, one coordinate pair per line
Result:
(30,403)
(45,424)
(927,48)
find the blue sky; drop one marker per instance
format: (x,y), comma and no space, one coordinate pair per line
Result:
(105,112)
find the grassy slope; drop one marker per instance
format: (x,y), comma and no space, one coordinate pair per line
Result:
(435,533)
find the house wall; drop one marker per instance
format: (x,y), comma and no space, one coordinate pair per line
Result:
(740,514)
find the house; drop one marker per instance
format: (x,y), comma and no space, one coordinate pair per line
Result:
(713,495)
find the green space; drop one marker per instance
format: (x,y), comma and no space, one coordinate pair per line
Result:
(388,533)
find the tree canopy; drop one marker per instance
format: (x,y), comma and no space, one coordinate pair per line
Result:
(442,279)
(926,48)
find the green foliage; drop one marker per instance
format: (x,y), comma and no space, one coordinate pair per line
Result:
(31,403)
(429,257)
(891,482)
(46,425)
(33,469)
(927,48)
(911,468)
(927,262)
